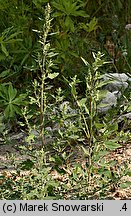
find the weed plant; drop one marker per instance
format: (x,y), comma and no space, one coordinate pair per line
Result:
(41,85)
(68,124)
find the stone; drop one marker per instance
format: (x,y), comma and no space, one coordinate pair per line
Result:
(118,81)
(109,101)
(65,107)
(126,116)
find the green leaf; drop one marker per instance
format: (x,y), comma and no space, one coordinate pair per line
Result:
(4,49)
(5,73)
(58,6)
(125,184)
(105,172)
(103,105)
(56,14)
(80,13)
(113,127)
(74,54)
(82,101)
(99,125)
(9,39)
(12,92)
(69,23)
(13,41)
(2,57)
(8,112)
(15,110)
(129,108)
(3,92)
(100,154)
(20,100)
(101,94)
(92,25)
(111,145)
(52,75)
(128,173)
(73,90)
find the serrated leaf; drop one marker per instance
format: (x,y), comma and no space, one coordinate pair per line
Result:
(52,75)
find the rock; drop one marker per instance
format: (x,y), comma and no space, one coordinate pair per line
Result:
(18,136)
(35,133)
(124,122)
(126,116)
(109,101)
(118,81)
(65,107)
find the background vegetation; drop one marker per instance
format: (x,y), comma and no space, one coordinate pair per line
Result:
(53,54)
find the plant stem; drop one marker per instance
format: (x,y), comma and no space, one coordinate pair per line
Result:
(44,71)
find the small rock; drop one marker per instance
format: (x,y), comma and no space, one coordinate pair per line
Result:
(109,101)
(118,81)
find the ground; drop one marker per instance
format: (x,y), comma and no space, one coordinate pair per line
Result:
(10,152)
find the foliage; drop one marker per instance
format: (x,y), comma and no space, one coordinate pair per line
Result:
(78,187)
(37,185)
(38,42)
(34,179)
(8,37)
(9,100)
(45,62)
(99,144)
(68,9)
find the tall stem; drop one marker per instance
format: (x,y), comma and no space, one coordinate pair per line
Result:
(44,71)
